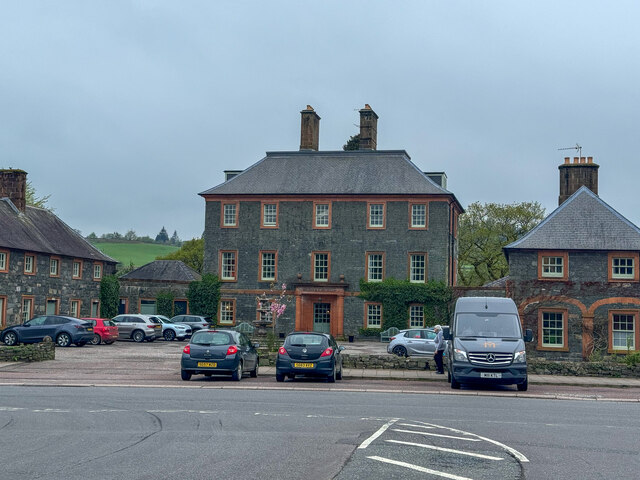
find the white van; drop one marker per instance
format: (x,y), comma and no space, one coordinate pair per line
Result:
(486,343)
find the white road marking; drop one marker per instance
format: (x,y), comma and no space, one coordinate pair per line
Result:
(11,409)
(380,431)
(51,410)
(414,426)
(512,451)
(450,450)
(436,435)
(419,468)
(183,411)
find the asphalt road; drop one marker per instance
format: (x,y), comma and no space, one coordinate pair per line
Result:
(168,432)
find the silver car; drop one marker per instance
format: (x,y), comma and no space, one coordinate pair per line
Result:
(172,330)
(413,342)
(138,327)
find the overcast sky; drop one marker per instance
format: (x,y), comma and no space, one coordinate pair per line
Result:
(123,111)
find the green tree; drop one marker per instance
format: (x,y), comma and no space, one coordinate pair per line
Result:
(33,200)
(191,253)
(482,232)
(109,296)
(175,239)
(164,303)
(353,143)
(163,236)
(204,295)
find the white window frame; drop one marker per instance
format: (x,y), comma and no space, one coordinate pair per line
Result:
(416,316)
(269,214)
(227,214)
(229,265)
(553,317)
(97,271)
(54,267)
(77,269)
(74,308)
(628,334)
(27,307)
(374,315)
(623,276)
(552,266)
(417,272)
(3,261)
(376,215)
(29,264)
(420,216)
(322,215)
(321,267)
(227,312)
(375,267)
(268,263)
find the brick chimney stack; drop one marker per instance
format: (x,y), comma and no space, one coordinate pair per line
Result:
(309,129)
(574,175)
(368,128)
(13,184)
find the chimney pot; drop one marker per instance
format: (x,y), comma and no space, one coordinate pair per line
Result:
(583,160)
(575,159)
(567,160)
(589,159)
(309,129)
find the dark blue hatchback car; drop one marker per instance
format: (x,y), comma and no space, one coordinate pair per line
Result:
(311,354)
(62,330)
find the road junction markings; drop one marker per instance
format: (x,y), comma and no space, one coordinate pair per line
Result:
(456,434)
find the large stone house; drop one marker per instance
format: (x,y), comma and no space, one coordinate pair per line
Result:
(45,266)
(319,222)
(575,276)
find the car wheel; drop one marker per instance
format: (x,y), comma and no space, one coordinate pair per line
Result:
(254,372)
(279,377)
(169,335)
(454,383)
(332,376)
(10,339)
(186,375)
(138,336)
(237,375)
(400,351)
(339,373)
(63,340)
(96,340)
(522,387)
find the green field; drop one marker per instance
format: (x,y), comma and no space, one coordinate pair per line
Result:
(138,253)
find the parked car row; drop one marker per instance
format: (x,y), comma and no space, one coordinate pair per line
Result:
(227,352)
(66,331)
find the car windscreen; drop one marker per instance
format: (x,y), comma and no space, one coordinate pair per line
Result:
(212,338)
(488,325)
(305,340)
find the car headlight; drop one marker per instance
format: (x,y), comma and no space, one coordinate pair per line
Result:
(520,357)
(459,355)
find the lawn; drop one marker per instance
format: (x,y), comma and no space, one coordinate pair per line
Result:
(138,253)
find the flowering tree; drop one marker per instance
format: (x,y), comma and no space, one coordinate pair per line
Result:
(277,303)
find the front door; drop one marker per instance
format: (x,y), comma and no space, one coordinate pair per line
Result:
(322,317)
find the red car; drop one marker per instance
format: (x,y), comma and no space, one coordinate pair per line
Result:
(104,330)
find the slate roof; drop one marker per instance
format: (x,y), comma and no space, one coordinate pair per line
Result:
(163,270)
(355,172)
(40,231)
(582,222)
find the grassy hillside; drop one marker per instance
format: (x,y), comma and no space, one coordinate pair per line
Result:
(138,253)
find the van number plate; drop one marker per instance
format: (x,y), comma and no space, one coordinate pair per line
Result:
(490,375)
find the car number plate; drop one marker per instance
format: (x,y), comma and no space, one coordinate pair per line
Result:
(490,375)
(207,364)
(303,365)
(89,329)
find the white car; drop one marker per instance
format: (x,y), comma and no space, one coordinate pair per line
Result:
(171,330)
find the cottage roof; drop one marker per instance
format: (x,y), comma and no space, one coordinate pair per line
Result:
(354,172)
(582,222)
(164,270)
(40,231)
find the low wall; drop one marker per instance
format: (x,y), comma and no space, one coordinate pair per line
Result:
(32,352)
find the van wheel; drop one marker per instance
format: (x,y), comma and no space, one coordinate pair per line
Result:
(454,383)
(522,387)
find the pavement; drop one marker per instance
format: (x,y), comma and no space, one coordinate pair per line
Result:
(155,363)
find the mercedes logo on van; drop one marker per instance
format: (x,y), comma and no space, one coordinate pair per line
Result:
(491,357)
(304,350)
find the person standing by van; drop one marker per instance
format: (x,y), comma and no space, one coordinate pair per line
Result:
(437,357)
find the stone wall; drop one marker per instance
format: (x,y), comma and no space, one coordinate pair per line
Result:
(32,352)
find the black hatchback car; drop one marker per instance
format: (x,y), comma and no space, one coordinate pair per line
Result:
(219,352)
(62,330)
(310,354)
